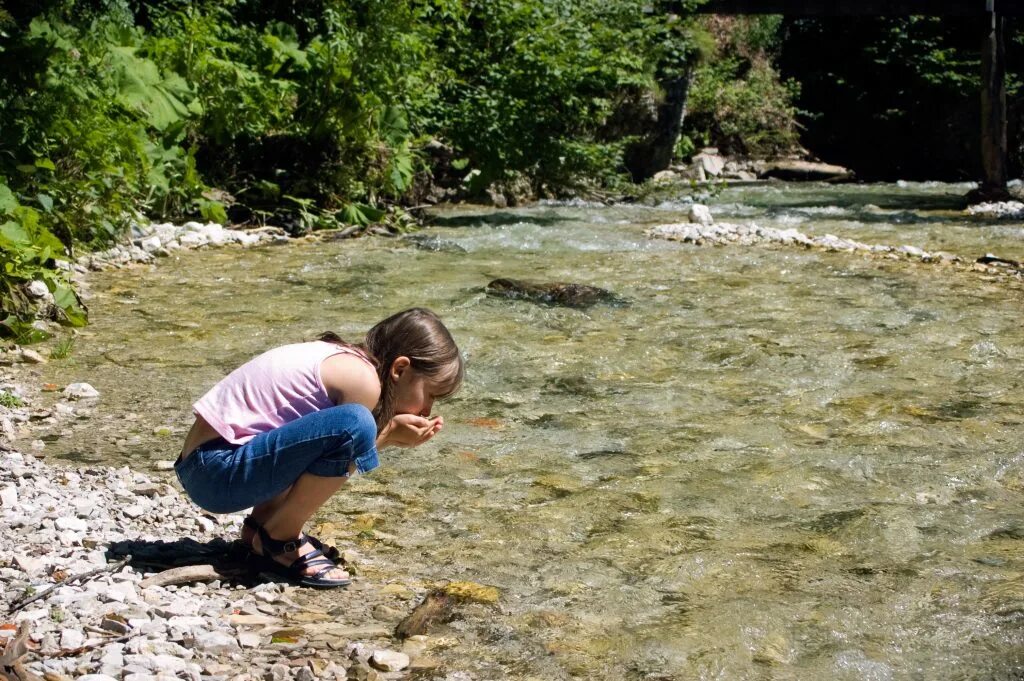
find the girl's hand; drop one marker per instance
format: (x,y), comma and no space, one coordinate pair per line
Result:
(409,430)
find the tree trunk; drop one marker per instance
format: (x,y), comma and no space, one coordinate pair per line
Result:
(993,114)
(654,152)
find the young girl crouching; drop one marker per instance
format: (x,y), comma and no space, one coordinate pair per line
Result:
(283,432)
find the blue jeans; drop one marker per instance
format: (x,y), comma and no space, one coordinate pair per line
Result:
(222,477)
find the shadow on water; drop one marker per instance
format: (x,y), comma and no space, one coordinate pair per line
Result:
(853,197)
(497,219)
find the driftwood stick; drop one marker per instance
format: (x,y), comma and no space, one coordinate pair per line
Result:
(111,567)
(75,652)
(186,574)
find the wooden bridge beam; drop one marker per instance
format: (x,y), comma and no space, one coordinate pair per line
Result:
(832,8)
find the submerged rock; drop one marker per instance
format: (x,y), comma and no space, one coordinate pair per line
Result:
(565,294)
(431,242)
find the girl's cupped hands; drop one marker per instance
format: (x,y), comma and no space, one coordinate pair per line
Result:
(410,430)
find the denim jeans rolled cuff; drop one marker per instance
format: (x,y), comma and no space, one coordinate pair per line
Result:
(340,466)
(223,478)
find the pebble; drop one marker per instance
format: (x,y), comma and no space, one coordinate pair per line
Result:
(389,660)
(80,391)
(74,524)
(71,639)
(9,497)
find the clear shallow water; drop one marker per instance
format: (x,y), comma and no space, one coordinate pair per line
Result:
(771,464)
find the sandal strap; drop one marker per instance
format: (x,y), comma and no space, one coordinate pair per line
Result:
(274,547)
(331,552)
(313,559)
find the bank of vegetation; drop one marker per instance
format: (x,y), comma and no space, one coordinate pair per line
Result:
(312,115)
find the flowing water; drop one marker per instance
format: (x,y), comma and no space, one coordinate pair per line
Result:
(770,464)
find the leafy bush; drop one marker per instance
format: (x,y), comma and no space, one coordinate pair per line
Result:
(738,101)
(27,253)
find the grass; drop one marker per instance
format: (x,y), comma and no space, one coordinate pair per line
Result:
(10,400)
(63,348)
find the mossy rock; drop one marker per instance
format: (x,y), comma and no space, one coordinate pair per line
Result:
(471,592)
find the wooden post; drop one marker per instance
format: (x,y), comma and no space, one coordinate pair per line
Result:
(993,111)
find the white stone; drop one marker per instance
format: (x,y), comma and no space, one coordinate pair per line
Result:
(215,233)
(32,357)
(216,643)
(150,244)
(29,565)
(193,240)
(245,238)
(77,391)
(70,639)
(38,290)
(97,677)
(701,215)
(121,592)
(9,497)
(71,523)
(711,163)
(249,639)
(84,508)
(389,660)
(913,251)
(134,511)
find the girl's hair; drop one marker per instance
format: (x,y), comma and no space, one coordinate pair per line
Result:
(416,333)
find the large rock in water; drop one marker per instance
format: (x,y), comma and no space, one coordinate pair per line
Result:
(554,293)
(807,171)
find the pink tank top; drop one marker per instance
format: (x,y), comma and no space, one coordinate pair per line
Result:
(269,391)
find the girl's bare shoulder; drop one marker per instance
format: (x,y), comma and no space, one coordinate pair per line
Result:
(349,378)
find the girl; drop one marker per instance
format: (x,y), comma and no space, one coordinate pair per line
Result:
(283,432)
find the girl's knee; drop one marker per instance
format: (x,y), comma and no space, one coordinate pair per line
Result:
(359,423)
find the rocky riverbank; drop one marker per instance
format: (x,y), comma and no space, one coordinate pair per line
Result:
(702,230)
(101,550)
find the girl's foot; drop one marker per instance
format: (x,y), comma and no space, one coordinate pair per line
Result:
(250,527)
(298,560)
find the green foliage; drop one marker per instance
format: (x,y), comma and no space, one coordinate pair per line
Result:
(27,253)
(738,101)
(10,400)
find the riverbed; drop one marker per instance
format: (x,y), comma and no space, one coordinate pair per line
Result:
(766,463)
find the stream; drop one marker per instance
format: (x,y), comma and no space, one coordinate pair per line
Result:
(768,463)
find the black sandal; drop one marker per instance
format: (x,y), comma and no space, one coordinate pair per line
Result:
(330,552)
(296,571)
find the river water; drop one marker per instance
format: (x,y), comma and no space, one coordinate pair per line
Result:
(770,464)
